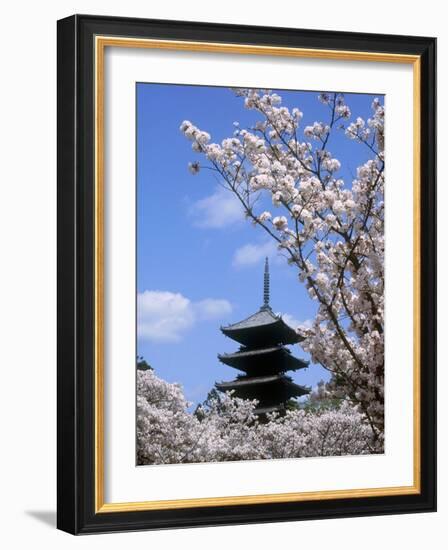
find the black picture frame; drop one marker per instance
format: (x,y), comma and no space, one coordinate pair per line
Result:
(76,285)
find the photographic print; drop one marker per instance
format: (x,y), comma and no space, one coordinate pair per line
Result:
(260,273)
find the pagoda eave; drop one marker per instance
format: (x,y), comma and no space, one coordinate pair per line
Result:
(263,335)
(253,381)
(275,359)
(262,328)
(279,384)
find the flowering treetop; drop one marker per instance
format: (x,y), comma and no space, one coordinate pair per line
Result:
(227,428)
(330,231)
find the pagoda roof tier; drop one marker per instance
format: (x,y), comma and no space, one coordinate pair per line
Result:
(262,328)
(273,388)
(273,359)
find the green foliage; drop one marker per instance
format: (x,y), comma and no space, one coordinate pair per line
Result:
(142,364)
(292,405)
(213,395)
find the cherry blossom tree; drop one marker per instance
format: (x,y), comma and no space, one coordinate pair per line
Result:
(226,428)
(166,433)
(329,230)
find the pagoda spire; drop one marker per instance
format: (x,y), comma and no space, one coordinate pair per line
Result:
(266,284)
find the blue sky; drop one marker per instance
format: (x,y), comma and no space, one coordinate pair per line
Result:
(199,263)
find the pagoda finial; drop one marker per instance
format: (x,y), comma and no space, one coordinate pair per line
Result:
(266,284)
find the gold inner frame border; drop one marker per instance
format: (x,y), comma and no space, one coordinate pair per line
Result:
(100,44)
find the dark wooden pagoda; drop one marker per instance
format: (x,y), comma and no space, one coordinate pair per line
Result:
(263,358)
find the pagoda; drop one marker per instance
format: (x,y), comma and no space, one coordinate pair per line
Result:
(263,358)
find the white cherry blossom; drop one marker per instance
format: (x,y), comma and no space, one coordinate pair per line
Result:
(331,230)
(226,428)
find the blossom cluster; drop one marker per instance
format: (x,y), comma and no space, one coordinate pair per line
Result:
(226,428)
(330,230)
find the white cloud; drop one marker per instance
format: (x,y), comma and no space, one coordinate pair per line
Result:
(212,309)
(252,254)
(164,316)
(294,323)
(218,210)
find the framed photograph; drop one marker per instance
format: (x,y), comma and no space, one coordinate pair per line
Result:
(246,274)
